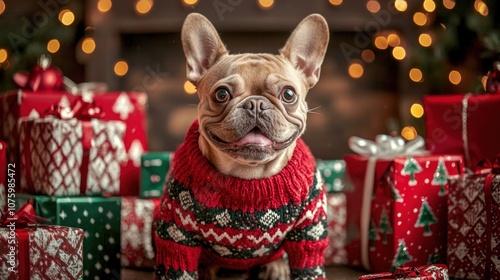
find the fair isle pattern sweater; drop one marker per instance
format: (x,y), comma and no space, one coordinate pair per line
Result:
(210,218)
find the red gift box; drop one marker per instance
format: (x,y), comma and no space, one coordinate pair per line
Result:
(336,254)
(39,252)
(474,225)
(3,176)
(129,107)
(455,125)
(396,210)
(137,231)
(430,272)
(71,153)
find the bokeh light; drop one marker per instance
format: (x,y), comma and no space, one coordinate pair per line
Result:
(373,6)
(401,5)
(335,2)
(121,68)
(356,70)
(409,133)
(143,6)
(3,55)
(449,4)
(393,40)
(2,7)
(381,42)
(420,19)
(429,6)
(399,53)
(425,39)
(416,110)
(88,45)
(66,17)
(481,7)
(53,46)
(368,56)
(104,5)
(189,88)
(266,4)
(416,75)
(455,77)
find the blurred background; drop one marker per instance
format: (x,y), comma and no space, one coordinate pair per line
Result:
(383,57)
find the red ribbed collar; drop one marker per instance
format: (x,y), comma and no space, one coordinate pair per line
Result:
(215,189)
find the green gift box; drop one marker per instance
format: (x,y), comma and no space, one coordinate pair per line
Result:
(99,217)
(154,168)
(332,172)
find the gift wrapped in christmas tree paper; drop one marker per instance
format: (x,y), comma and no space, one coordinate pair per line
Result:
(137,231)
(127,107)
(34,251)
(427,272)
(474,224)
(396,203)
(71,151)
(332,172)
(154,168)
(99,217)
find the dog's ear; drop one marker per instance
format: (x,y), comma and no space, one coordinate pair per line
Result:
(307,45)
(202,46)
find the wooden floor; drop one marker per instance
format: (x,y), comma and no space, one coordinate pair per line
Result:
(337,273)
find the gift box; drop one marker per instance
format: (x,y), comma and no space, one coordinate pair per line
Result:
(128,107)
(40,251)
(3,176)
(332,172)
(71,153)
(430,272)
(137,232)
(336,254)
(99,217)
(455,124)
(154,168)
(474,225)
(396,207)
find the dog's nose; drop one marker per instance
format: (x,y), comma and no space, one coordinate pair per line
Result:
(254,106)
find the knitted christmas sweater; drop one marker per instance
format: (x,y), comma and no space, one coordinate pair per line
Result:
(211,218)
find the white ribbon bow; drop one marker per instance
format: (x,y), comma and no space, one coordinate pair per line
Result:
(386,146)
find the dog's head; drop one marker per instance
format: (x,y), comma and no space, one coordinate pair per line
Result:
(252,106)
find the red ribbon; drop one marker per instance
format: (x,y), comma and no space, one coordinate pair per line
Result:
(18,221)
(485,166)
(23,217)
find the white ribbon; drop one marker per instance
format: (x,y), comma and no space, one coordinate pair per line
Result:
(465,138)
(384,147)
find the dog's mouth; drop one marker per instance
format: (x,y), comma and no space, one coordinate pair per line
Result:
(255,138)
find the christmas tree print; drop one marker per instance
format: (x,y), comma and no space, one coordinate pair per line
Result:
(411,167)
(401,257)
(394,191)
(384,225)
(440,177)
(425,218)
(434,258)
(373,235)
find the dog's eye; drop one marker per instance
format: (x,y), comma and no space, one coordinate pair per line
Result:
(222,95)
(288,95)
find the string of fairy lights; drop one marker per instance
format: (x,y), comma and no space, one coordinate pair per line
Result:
(384,40)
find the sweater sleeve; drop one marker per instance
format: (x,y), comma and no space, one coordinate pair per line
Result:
(306,243)
(178,247)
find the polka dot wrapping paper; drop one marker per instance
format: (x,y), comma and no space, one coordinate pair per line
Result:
(99,217)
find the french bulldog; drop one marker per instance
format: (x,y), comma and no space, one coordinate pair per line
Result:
(252,111)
